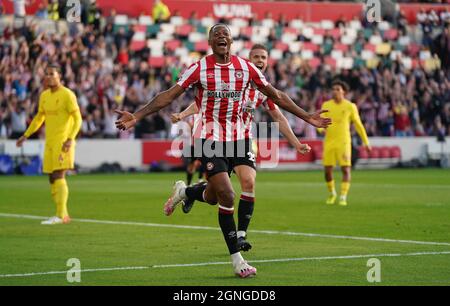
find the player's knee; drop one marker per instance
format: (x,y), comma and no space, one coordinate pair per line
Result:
(248,184)
(226,197)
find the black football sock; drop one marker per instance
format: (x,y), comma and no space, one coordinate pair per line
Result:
(245,212)
(189,178)
(196,192)
(228,227)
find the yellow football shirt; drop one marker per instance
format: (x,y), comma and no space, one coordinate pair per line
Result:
(61,114)
(342,115)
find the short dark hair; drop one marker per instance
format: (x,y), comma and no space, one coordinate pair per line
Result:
(218,25)
(343,85)
(54,66)
(259,47)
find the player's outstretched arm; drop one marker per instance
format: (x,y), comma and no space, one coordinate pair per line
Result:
(189,111)
(128,120)
(34,126)
(286,103)
(287,132)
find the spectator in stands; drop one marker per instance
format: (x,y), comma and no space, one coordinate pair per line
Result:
(402,123)
(19,114)
(53,10)
(160,12)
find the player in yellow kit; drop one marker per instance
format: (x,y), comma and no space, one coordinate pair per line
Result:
(337,144)
(59,110)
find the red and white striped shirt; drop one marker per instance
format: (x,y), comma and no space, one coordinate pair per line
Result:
(221,94)
(253,99)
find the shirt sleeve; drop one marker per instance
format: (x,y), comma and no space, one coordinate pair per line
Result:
(71,103)
(190,76)
(74,110)
(359,127)
(256,76)
(269,105)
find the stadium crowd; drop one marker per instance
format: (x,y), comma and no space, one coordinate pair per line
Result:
(99,65)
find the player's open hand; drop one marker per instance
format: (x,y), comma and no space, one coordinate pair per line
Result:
(67,145)
(176,117)
(368,148)
(126,121)
(20,141)
(318,121)
(303,148)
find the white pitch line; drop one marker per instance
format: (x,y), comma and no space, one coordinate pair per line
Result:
(268,232)
(226,263)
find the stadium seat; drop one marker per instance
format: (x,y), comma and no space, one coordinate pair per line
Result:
(374,153)
(310,46)
(395,152)
(295,47)
(176,20)
(172,45)
(319,31)
(307,54)
(348,40)
(363,153)
(288,38)
(145,20)
(317,153)
(183,30)
(327,24)
(370,47)
(308,32)
(156,61)
(335,33)
(296,23)
(341,47)
(195,37)
(282,46)
(289,30)
(385,152)
(239,22)
(168,28)
(314,62)
(391,34)
(330,62)
(247,32)
(317,39)
(276,54)
(201,46)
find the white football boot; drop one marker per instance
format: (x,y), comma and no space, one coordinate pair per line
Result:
(56,220)
(177,197)
(244,270)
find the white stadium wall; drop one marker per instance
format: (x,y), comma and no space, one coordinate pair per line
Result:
(91,153)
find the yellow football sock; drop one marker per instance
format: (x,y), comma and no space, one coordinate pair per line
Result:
(53,191)
(345,186)
(61,196)
(331,188)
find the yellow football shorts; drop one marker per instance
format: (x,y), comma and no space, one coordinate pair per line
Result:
(340,154)
(56,159)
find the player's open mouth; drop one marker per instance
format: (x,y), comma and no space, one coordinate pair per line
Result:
(222,44)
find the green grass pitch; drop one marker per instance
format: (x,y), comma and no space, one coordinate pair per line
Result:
(393,212)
